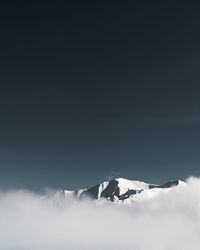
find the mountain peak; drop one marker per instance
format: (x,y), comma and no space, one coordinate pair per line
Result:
(120,189)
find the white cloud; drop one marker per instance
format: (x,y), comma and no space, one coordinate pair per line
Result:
(112,175)
(164,222)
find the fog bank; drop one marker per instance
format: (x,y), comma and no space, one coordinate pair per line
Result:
(169,221)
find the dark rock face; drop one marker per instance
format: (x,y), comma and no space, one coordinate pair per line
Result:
(111,190)
(128,194)
(169,184)
(91,192)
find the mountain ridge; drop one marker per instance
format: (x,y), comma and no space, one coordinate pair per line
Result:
(118,190)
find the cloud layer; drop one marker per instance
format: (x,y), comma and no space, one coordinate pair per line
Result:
(169,221)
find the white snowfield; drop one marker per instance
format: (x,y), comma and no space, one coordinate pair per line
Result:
(122,190)
(125,185)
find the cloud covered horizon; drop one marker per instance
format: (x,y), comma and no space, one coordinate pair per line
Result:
(169,221)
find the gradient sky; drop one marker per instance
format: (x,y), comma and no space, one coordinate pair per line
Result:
(94,89)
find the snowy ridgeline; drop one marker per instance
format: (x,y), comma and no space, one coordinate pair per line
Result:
(120,190)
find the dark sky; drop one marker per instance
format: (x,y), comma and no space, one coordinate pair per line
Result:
(90,89)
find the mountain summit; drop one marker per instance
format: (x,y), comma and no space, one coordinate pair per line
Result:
(120,190)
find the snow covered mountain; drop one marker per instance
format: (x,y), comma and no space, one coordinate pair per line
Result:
(121,190)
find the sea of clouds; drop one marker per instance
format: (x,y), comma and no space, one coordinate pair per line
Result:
(169,221)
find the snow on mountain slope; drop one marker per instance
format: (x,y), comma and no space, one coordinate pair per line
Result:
(125,185)
(122,190)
